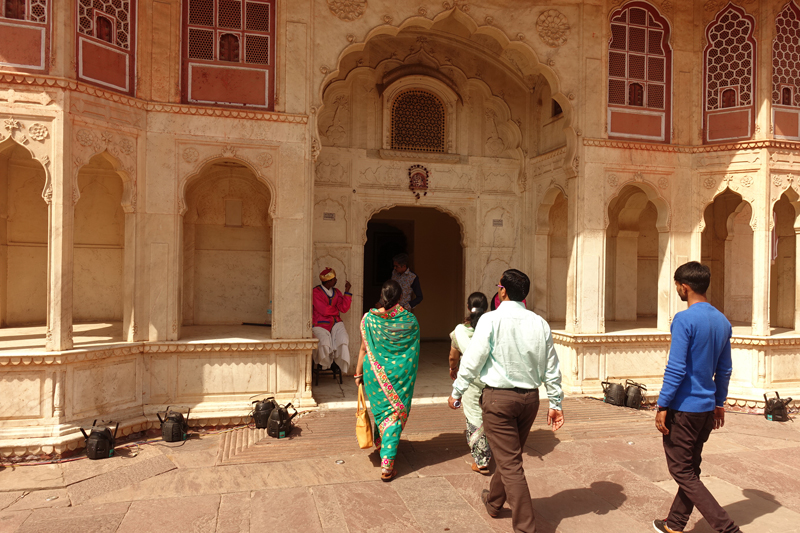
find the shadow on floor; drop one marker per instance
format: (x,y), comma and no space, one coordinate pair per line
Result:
(744,512)
(600,498)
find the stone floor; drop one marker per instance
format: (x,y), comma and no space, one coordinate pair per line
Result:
(604,471)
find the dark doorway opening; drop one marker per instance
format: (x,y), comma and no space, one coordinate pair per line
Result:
(432,240)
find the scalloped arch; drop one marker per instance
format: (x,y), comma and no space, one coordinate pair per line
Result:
(661,204)
(385,207)
(9,142)
(202,168)
(128,201)
(543,212)
(702,223)
(473,28)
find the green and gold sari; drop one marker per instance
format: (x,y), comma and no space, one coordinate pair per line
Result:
(390,371)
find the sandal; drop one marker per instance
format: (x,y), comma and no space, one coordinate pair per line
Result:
(484,470)
(388,476)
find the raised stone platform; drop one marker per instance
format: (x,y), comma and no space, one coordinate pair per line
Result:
(215,371)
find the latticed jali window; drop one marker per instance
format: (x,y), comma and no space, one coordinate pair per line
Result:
(29,10)
(237,31)
(729,61)
(418,122)
(107,20)
(638,59)
(786,57)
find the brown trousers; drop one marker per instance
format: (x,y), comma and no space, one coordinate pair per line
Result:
(507,419)
(684,447)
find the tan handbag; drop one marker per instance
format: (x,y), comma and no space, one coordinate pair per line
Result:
(363,425)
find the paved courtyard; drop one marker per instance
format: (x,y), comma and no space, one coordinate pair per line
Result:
(604,471)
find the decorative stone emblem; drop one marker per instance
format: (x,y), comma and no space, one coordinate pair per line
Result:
(85,137)
(613,180)
(190,155)
(348,10)
(228,151)
(553,28)
(663,182)
(776,180)
(264,159)
(418,179)
(709,183)
(747,181)
(38,132)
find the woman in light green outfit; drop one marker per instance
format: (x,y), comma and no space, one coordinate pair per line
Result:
(471,400)
(387,365)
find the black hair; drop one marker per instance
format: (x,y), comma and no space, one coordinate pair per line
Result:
(390,294)
(695,275)
(516,283)
(477,305)
(401,259)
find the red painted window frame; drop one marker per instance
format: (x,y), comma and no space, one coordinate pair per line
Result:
(30,24)
(667,110)
(130,51)
(753,74)
(270,68)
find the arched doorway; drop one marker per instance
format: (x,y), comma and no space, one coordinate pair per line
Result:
(432,239)
(23,238)
(550,273)
(727,249)
(99,247)
(632,259)
(783,312)
(227,248)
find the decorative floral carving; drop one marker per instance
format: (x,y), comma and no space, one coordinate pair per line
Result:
(553,28)
(747,181)
(126,145)
(12,124)
(388,19)
(423,11)
(709,183)
(264,159)
(228,151)
(777,180)
(190,155)
(85,137)
(38,132)
(612,180)
(348,10)
(663,182)
(638,176)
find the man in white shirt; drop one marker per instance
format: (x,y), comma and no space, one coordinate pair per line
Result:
(513,354)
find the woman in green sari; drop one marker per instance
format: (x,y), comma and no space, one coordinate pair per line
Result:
(388,362)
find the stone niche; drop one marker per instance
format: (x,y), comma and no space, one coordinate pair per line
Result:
(227,234)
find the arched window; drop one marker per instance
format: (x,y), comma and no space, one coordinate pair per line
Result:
(106,43)
(729,82)
(418,122)
(220,32)
(785,74)
(24,35)
(229,48)
(639,73)
(104,29)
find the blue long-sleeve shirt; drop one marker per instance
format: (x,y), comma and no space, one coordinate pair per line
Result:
(699,366)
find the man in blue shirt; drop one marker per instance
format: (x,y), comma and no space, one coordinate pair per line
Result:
(692,399)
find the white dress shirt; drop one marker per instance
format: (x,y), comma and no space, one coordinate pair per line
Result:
(511,347)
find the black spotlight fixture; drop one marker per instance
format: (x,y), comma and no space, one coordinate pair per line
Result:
(261,411)
(777,409)
(174,427)
(100,441)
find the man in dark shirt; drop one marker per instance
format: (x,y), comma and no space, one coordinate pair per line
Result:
(409,282)
(692,399)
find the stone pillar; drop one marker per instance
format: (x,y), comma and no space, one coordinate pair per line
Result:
(797,279)
(572,262)
(665,286)
(761,271)
(61,208)
(129,326)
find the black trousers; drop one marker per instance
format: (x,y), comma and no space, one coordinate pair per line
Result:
(507,419)
(688,432)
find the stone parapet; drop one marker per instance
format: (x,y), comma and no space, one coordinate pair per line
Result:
(51,395)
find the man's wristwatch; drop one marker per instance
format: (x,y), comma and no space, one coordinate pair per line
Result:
(661,408)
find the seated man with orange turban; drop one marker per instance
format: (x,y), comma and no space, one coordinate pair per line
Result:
(326,323)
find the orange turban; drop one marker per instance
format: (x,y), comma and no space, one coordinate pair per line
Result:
(327,275)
